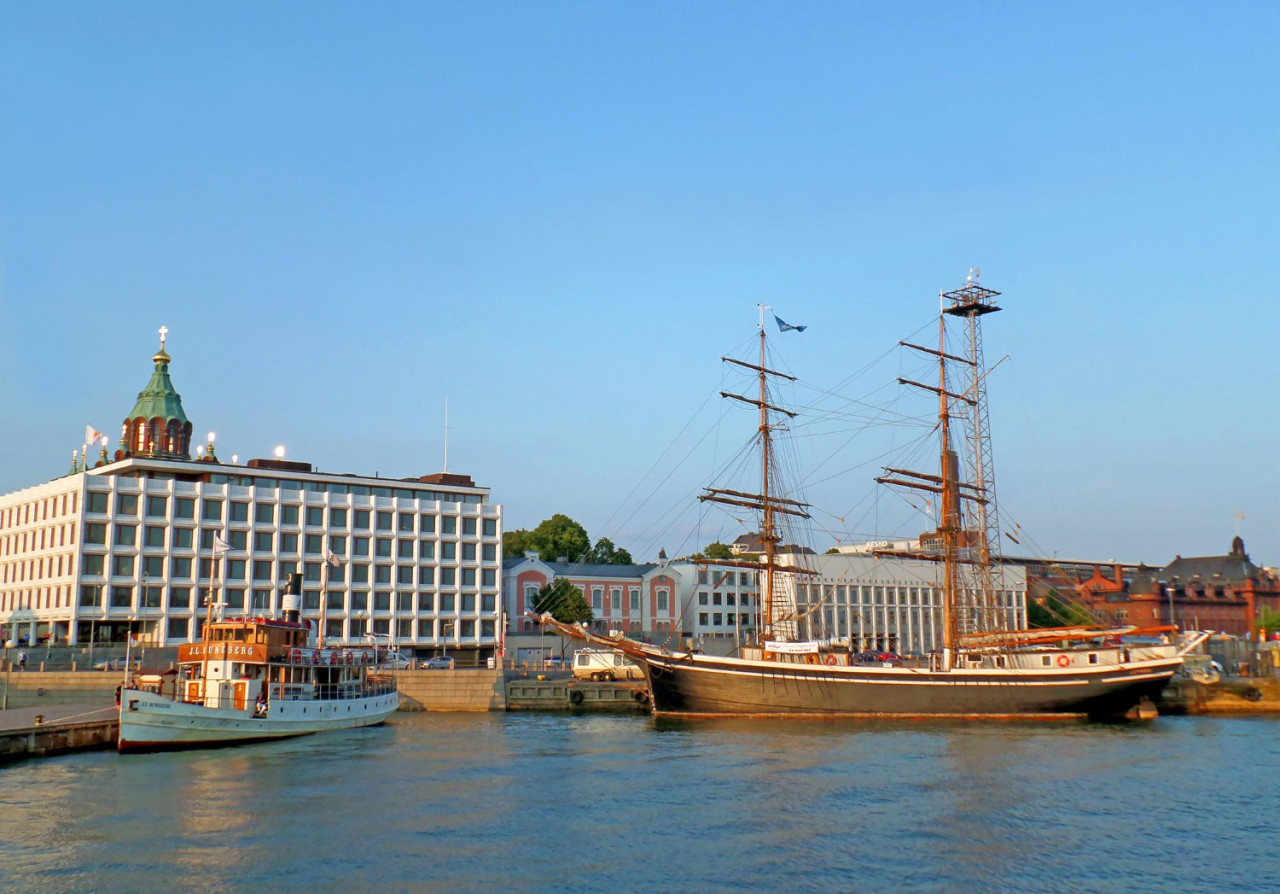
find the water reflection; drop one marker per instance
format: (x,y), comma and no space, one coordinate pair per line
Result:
(549,802)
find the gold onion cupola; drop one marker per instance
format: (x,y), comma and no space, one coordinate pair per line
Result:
(157,427)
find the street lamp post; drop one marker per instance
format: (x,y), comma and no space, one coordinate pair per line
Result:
(8,666)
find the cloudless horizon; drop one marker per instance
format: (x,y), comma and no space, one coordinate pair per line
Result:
(560,215)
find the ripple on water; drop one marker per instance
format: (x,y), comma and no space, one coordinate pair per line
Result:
(534,802)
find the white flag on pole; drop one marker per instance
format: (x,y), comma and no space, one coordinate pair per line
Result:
(331,558)
(220,546)
(91,435)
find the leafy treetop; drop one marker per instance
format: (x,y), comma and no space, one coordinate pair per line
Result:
(564,601)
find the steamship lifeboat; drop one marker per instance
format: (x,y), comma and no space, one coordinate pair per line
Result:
(252,679)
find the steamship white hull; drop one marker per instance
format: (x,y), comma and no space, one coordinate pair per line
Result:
(150,722)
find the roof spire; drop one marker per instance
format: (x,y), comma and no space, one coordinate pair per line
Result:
(157,426)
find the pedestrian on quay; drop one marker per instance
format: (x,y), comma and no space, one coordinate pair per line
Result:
(22,660)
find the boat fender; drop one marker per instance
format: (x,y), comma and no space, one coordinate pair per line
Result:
(640,696)
(1252,694)
(811,658)
(766,656)
(831,659)
(575,696)
(1063,660)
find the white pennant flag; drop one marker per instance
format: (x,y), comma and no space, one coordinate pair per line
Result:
(91,435)
(331,558)
(220,546)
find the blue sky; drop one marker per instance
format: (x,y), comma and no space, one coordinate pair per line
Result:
(560,215)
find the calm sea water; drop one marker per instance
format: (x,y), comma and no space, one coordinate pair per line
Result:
(599,803)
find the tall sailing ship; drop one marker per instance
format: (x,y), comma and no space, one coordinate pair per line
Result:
(982,669)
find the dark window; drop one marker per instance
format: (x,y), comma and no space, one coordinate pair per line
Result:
(154,536)
(384,521)
(491,527)
(406,523)
(337,518)
(315,517)
(239,512)
(91,595)
(95,532)
(127,504)
(361,520)
(288,515)
(157,507)
(212,510)
(264,513)
(96,502)
(126,535)
(450,525)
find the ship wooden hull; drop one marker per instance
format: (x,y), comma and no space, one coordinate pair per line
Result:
(149,722)
(699,685)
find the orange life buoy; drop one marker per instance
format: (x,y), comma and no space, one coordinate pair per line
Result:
(831,659)
(1063,660)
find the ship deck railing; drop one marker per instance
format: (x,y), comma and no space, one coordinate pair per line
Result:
(294,692)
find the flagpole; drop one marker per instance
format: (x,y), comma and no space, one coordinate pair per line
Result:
(204,629)
(324,601)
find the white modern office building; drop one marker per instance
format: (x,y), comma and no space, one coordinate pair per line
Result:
(882,604)
(126,545)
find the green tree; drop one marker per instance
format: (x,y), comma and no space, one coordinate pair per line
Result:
(563,601)
(606,553)
(1268,621)
(717,550)
(555,537)
(515,543)
(1057,612)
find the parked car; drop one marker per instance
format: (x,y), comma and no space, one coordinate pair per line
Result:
(440,662)
(394,659)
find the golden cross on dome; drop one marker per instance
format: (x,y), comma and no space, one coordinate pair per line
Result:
(164,331)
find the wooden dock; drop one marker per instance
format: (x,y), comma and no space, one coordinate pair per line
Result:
(569,694)
(36,732)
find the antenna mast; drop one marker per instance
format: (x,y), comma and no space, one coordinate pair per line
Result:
(971,302)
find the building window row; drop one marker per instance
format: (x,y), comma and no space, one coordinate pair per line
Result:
(263,513)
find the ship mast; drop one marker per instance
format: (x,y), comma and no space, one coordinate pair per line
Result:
(970,302)
(764,502)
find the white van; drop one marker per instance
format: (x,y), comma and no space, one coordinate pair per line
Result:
(604,664)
